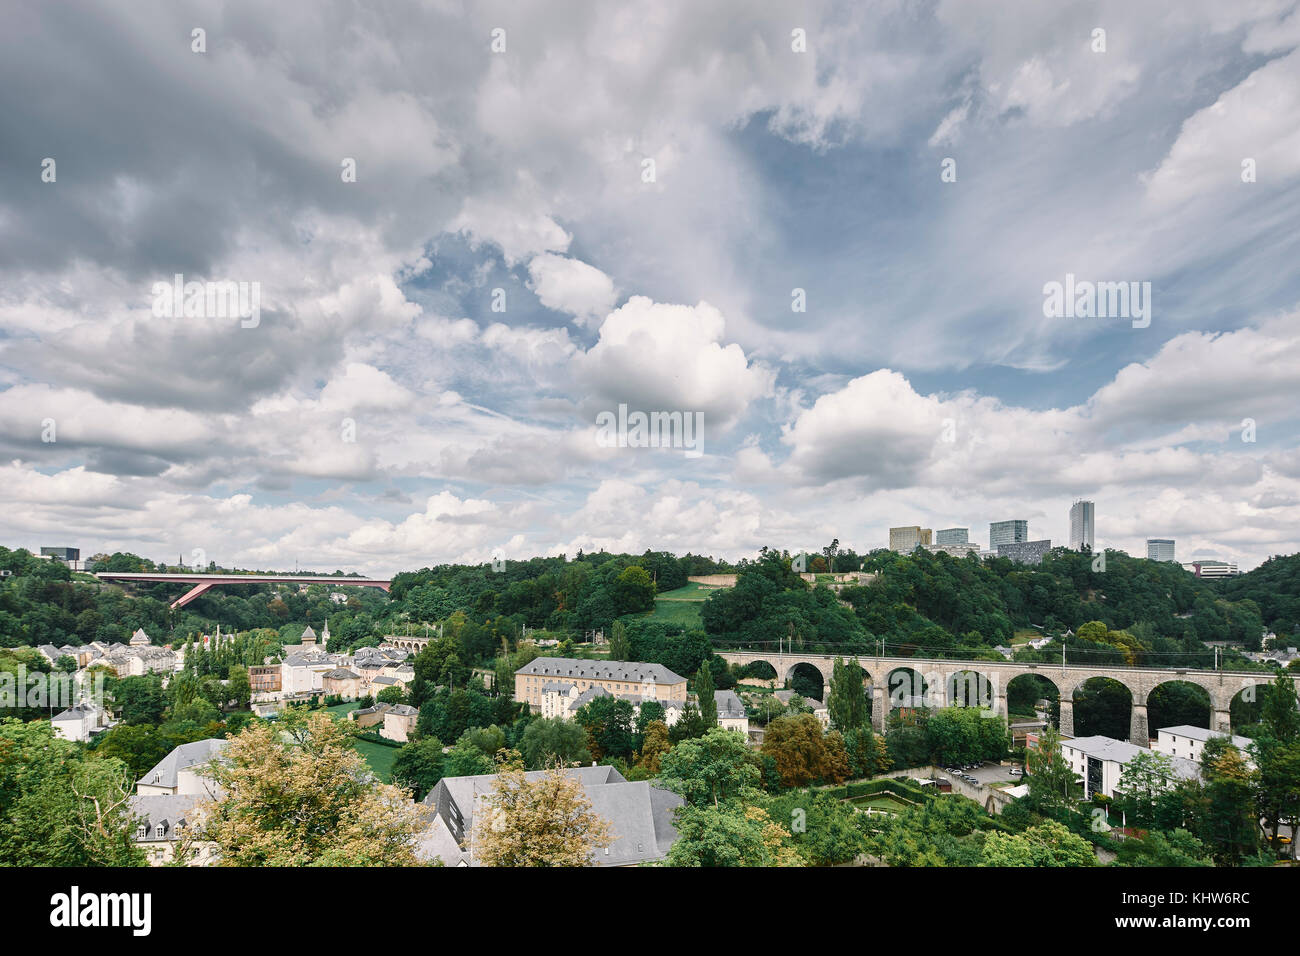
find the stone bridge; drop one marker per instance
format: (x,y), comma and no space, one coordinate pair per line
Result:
(985,683)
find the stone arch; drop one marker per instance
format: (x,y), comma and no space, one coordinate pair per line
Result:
(1018,693)
(806,671)
(1103,705)
(761,669)
(905,686)
(1178,701)
(969,687)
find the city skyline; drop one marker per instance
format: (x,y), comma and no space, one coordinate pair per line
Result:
(838,265)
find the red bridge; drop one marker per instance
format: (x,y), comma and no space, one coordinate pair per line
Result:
(202,582)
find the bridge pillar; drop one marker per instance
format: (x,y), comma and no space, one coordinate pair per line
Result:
(1138,734)
(1222,721)
(1000,704)
(879,708)
(1067,717)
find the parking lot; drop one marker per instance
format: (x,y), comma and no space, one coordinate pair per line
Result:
(990,773)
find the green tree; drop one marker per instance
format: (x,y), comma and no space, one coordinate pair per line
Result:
(847,700)
(620,648)
(550,740)
(711,769)
(1052,784)
(1141,783)
(730,835)
(704,694)
(58,808)
(419,766)
(141,698)
(1048,844)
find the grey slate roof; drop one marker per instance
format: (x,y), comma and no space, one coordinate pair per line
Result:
(403,710)
(1203,735)
(729,704)
(78,712)
(164,773)
(629,671)
(341,673)
(167,809)
(309,658)
(641,815)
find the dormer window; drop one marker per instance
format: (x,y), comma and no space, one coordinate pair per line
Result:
(141,832)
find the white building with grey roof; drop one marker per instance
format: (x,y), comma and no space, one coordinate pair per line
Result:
(183,770)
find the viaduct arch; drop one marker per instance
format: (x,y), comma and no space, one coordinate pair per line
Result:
(1222,686)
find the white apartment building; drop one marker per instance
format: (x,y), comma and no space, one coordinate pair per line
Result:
(1099,762)
(1186,741)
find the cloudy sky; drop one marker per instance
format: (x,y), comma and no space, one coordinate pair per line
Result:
(616,205)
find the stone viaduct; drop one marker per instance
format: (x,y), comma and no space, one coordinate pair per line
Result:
(985,683)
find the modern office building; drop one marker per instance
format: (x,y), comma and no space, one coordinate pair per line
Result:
(1007,532)
(904,540)
(1081,526)
(1160,549)
(952,536)
(1213,569)
(1025,552)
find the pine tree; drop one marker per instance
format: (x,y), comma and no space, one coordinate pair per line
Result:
(704,693)
(620,648)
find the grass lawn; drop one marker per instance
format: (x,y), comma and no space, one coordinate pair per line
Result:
(880,801)
(378,756)
(1024,635)
(688,592)
(682,612)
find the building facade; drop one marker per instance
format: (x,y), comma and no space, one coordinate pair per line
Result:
(1007,532)
(1187,742)
(1025,552)
(620,678)
(1160,549)
(952,536)
(1081,526)
(904,540)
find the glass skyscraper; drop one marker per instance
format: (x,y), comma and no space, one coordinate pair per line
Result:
(1007,532)
(1081,528)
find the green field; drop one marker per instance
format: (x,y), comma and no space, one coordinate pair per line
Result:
(880,801)
(688,592)
(379,756)
(681,606)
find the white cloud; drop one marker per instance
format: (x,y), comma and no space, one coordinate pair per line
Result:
(568,285)
(659,357)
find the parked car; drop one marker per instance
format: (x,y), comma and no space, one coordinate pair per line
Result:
(1015,773)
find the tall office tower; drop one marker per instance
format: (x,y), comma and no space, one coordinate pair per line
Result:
(1160,549)
(952,536)
(1007,532)
(904,540)
(1081,530)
